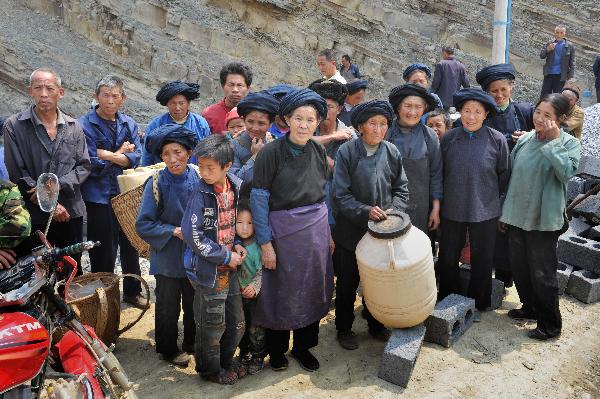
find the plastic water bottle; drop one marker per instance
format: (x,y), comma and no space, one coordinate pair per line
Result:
(586,98)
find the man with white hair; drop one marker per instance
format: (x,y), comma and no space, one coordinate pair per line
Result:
(42,139)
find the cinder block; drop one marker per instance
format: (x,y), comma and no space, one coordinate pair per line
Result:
(594,233)
(451,317)
(563,274)
(585,286)
(575,187)
(589,209)
(497,287)
(580,252)
(578,227)
(400,355)
(589,165)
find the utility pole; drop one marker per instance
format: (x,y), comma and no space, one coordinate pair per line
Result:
(499,46)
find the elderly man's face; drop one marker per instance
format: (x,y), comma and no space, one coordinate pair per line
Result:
(109,99)
(327,68)
(45,91)
(559,33)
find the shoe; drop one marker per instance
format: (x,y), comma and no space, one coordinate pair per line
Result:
(521,314)
(382,335)
(189,349)
(223,377)
(476,316)
(256,365)
(137,301)
(347,340)
(306,359)
(180,359)
(279,362)
(239,368)
(540,335)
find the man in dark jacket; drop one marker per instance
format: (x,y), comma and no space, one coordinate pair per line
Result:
(597,75)
(560,62)
(449,76)
(43,139)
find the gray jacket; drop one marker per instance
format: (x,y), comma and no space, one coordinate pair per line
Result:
(567,61)
(361,182)
(27,157)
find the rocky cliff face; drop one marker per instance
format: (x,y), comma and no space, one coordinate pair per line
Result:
(149,42)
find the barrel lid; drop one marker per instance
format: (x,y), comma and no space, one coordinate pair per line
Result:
(396,225)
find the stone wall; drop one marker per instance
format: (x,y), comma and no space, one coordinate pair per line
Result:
(152,41)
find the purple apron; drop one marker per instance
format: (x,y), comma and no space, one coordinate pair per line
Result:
(298,292)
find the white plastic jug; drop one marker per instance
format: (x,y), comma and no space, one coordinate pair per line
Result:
(396,272)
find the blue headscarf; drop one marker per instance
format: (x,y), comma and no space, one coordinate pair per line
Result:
(492,73)
(191,91)
(169,133)
(464,95)
(399,93)
(280,90)
(416,67)
(362,112)
(356,85)
(258,101)
(302,97)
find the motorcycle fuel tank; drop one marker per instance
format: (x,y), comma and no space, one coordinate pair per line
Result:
(24,345)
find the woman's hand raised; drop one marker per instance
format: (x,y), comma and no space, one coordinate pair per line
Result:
(269,259)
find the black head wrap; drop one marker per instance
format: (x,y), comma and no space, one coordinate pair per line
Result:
(356,85)
(474,94)
(399,93)
(299,98)
(191,91)
(169,133)
(493,73)
(280,90)
(258,101)
(362,112)
(416,67)
(331,89)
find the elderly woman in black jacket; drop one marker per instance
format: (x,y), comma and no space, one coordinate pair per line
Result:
(368,180)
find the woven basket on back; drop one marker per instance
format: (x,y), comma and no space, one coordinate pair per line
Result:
(126,207)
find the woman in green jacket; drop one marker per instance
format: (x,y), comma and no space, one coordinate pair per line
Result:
(533,212)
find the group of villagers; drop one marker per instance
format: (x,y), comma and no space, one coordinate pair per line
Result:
(266,222)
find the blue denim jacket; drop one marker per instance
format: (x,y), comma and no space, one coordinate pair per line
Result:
(199,226)
(102,181)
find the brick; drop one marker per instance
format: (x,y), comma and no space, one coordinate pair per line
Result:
(563,274)
(589,165)
(400,355)
(449,320)
(585,286)
(589,209)
(579,251)
(578,227)
(575,186)
(497,287)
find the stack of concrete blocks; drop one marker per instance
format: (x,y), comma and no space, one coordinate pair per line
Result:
(449,320)
(497,286)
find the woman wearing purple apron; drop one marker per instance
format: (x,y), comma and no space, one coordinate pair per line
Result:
(290,220)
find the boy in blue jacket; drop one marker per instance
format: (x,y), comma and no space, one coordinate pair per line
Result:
(211,259)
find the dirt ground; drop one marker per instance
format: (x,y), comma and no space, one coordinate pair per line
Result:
(493,359)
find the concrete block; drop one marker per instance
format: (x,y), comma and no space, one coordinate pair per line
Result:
(589,165)
(585,286)
(497,287)
(580,252)
(575,187)
(449,320)
(563,274)
(594,233)
(589,209)
(400,355)
(578,227)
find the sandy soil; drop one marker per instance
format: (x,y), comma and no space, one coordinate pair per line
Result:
(493,359)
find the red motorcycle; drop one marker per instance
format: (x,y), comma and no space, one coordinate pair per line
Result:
(32,308)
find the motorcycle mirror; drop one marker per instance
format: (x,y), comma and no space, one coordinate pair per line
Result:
(46,190)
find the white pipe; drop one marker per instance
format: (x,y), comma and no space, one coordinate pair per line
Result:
(499,37)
